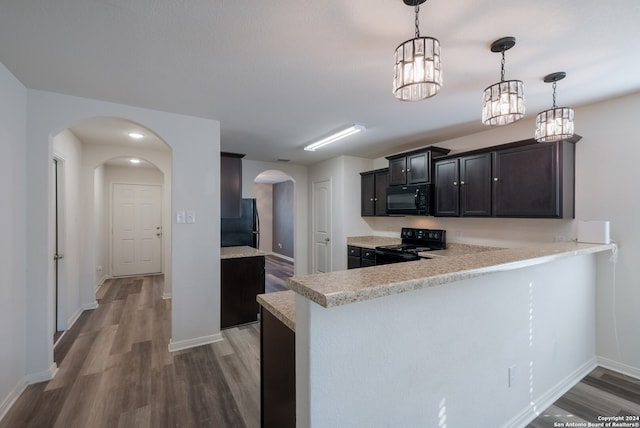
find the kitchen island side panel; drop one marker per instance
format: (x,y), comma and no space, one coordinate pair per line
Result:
(410,359)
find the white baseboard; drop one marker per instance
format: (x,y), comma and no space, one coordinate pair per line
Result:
(192,343)
(287,258)
(545,400)
(619,367)
(43,376)
(73,318)
(11,398)
(89,306)
(101,282)
(166,296)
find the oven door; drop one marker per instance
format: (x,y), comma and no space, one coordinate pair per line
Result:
(411,200)
(385,257)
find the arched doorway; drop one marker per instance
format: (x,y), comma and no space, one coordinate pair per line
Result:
(94,153)
(275,192)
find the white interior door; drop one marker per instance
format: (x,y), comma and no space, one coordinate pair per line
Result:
(321,226)
(137,229)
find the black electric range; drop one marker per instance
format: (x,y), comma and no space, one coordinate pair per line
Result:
(414,241)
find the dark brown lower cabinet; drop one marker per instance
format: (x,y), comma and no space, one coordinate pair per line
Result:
(277,373)
(242,279)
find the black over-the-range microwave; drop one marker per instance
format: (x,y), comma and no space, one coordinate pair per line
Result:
(408,200)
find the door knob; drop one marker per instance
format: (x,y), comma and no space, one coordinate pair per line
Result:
(159,234)
(327,239)
(58,256)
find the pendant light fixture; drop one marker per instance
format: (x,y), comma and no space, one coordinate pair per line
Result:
(417,74)
(556,123)
(503,102)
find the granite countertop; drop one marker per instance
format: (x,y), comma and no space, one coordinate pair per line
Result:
(454,249)
(372,241)
(242,251)
(355,285)
(282,305)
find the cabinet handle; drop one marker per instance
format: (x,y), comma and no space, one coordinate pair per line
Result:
(403,170)
(455,183)
(375,199)
(408,169)
(495,178)
(371,199)
(462,183)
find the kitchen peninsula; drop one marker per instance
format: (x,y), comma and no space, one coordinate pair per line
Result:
(487,338)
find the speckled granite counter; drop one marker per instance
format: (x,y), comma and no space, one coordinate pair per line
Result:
(355,285)
(242,251)
(372,241)
(454,250)
(282,305)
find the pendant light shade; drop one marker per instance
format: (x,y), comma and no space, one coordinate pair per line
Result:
(417,72)
(556,123)
(503,102)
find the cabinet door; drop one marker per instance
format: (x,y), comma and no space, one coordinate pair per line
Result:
(526,181)
(446,188)
(475,185)
(380,198)
(418,168)
(230,185)
(367,195)
(241,280)
(397,171)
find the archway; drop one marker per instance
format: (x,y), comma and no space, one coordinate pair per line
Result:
(275,192)
(90,148)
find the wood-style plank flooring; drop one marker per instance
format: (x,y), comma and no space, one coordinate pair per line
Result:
(601,393)
(277,270)
(115,370)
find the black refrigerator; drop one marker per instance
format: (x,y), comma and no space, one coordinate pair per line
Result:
(244,230)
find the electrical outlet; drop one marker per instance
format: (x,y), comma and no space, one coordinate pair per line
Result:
(511,376)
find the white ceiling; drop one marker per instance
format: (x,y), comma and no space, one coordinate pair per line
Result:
(279,73)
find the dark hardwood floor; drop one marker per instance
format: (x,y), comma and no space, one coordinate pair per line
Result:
(277,270)
(115,370)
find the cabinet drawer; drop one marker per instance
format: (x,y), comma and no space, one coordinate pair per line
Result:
(368,254)
(353,251)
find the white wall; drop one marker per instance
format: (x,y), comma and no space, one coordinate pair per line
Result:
(605,165)
(196,170)
(251,169)
(440,356)
(344,172)
(13,118)
(70,234)
(101,260)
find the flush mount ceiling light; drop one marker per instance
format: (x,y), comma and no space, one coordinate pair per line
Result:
(556,123)
(417,74)
(338,135)
(503,102)
(136,135)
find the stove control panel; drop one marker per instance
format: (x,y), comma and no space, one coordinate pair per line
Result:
(435,238)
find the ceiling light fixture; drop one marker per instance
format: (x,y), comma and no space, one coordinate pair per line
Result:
(503,102)
(136,135)
(134,161)
(417,74)
(556,123)
(338,135)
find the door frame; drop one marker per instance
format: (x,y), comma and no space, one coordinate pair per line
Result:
(161,208)
(314,185)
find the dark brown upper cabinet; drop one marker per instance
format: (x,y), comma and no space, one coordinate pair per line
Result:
(534,180)
(463,186)
(413,167)
(374,192)
(230,184)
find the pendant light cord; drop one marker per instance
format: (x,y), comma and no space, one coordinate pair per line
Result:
(417,22)
(554,94)
(502,67)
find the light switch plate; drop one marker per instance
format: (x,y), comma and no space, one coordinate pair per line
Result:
(191,217)
(180,217)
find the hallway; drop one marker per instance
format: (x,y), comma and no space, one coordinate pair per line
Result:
(115,370)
